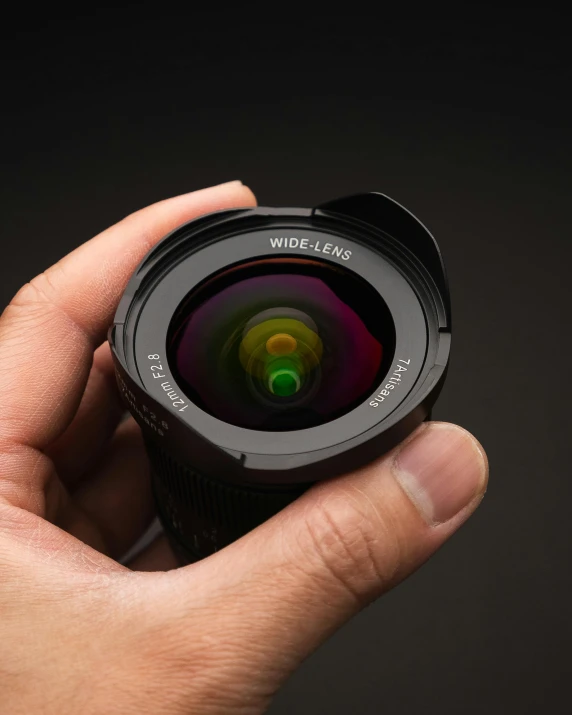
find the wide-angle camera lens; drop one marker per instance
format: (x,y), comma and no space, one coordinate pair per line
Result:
(264,349)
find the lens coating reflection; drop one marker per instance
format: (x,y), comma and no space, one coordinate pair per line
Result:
(281,344)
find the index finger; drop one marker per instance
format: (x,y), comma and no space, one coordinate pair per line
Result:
(50,329)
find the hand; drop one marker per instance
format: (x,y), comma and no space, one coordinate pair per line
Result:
(82,633)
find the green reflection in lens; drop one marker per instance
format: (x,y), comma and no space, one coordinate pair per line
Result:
(280,354)
(284,382)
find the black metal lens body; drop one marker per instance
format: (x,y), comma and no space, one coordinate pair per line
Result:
(262,350)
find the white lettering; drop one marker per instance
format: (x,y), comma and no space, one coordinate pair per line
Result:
(391,384)
(304,244)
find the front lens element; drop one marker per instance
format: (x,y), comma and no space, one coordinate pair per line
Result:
(281,344)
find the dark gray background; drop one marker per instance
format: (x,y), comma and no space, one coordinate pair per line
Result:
(464,120)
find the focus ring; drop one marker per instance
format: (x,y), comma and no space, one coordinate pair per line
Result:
(202,514)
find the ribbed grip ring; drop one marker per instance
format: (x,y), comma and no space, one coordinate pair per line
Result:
(202,514)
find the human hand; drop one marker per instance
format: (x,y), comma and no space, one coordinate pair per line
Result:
(82,633)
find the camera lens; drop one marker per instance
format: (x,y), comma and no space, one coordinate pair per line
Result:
(280,344)
(262,350)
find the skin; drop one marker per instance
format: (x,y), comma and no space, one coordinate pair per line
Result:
(82,633)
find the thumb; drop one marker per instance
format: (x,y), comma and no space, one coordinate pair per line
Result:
(278,592)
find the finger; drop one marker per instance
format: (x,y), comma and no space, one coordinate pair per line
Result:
(92,427)
(50,330)
(290,583)
(117,499)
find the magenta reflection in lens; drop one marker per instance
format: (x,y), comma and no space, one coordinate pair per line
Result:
(281,344)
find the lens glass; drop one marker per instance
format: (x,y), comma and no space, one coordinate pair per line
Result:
(281,344)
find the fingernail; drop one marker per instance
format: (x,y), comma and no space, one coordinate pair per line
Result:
(216,187)
(442,470)
(238,182)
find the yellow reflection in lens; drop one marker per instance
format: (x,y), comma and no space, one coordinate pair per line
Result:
(281,344)
(279,337)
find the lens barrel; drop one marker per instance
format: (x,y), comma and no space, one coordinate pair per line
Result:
(264,349)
